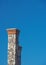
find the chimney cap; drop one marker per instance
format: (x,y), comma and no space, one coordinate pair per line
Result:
(13,31)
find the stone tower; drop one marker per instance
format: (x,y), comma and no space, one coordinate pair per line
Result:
(14,49)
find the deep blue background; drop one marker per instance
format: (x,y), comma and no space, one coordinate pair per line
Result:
(29,16)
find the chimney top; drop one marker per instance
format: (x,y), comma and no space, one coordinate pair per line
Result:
(13,31)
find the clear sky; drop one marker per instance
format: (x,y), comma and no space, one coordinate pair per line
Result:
(29,16)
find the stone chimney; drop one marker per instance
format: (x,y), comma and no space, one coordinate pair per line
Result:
(14,49)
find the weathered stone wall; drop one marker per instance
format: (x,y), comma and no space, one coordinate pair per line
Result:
(11,49)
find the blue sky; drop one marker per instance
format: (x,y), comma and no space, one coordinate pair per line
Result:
(29,16)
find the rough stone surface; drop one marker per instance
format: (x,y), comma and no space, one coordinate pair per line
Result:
(11,49)
(14,50)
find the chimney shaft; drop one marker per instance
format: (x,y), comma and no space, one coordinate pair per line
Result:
(14,49)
